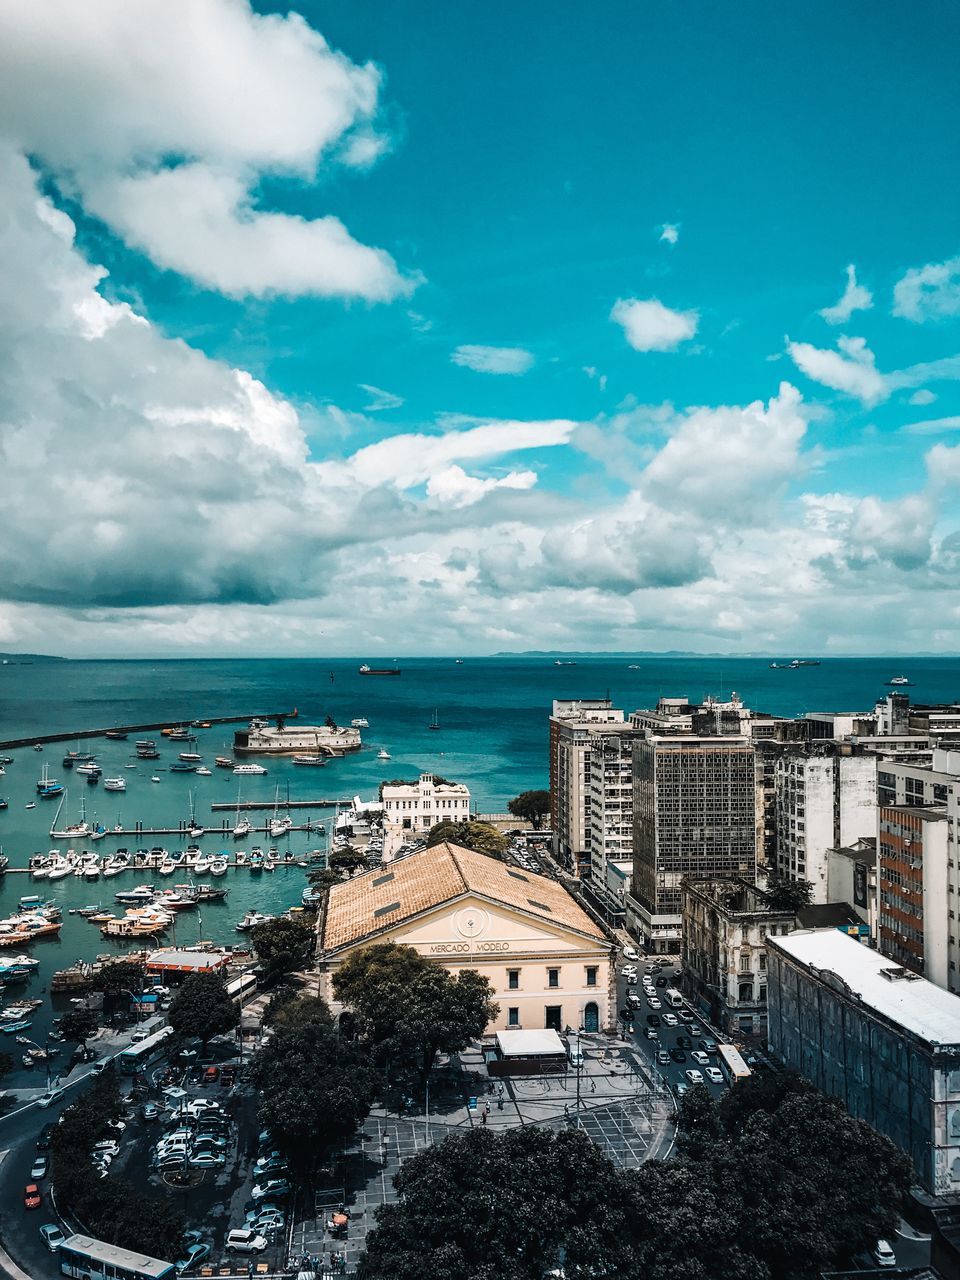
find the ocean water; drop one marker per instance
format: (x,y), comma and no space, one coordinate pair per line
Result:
(493,736)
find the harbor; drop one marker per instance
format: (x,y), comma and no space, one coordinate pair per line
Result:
(116,732)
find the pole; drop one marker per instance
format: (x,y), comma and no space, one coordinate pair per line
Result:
(579,1069)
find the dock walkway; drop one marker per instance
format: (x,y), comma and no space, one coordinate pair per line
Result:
(77,734)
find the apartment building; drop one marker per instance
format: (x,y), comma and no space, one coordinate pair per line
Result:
(584,774)
(875,1035)
(826,798)
(417,806)
(694,814)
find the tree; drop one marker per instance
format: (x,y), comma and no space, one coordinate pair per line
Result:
(531,806)
(202,1008)
(346,859)
(789,895)
(411,1007)
(315,1090)
(517,1205)
(322,880)
(78,1025)
(119,976)
(481,837)
(289,1008)
(283,945)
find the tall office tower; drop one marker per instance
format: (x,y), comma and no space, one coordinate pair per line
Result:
(826,799)
(577,727)
(694,810)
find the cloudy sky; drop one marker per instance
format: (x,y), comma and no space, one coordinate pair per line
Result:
(446,328)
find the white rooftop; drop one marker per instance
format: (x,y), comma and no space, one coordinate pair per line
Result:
(530,1044)
(915,1004)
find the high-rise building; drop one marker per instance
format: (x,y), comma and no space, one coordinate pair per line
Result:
(578,728)
(694,810)
(826,798)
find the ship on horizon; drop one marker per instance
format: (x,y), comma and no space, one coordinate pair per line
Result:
(366,670)
(797,662)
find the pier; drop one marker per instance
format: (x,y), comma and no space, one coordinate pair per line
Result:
(224,807)
(78,734)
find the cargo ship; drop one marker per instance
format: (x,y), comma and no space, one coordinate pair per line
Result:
(379,671)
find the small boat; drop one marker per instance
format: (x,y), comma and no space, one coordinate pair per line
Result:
(242,769)
(360,723)
(98,832)
(4,804)
(224,762)
(155,778)
(383,754)
(204,772)
(310,759)
(218,865)
(256,859)
(250,921)
(242,828)
(31,805)
(115,784)
(38,747)
(379,671)
(116,735)
(434,723)
(190,757)
(899,680)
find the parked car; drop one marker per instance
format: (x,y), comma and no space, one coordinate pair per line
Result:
(200,1105)
(150,1111)
(52,1236)
(210,1075)
(43,1138)
(242,1241)
(651,1033)
(195,1254)
(663,1057)
(653,1019)
(694,1076)
(700,1058)
(682,1089)
(31,1196)
(206,1160)
(39,1169)
(714,1075)
(273,1187)
(670,1019)
(677,1055)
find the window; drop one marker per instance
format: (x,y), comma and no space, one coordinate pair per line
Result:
(513,1017)
(591,975)
(553,977)
(513,979)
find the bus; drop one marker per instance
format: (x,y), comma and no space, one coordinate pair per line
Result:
(242,988)
(734,1069)
(89,1259)
(673,998)
(143,1055)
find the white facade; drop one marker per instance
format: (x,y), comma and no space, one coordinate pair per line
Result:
(610,811)
(825,800)
(576,727)
(417,806)
(317,739)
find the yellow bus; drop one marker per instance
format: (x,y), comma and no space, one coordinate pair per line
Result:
(732,1064)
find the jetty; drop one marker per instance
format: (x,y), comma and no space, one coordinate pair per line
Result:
(225,807)
(77,734)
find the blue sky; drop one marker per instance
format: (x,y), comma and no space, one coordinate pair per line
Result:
(559,375)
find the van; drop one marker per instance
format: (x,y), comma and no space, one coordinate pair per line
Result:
(575,1056)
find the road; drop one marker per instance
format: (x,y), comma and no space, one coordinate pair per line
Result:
(20,1228)
(673,1073)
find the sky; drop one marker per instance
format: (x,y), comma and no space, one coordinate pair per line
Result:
(409,328)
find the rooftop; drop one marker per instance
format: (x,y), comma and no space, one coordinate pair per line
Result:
(530,1044)
(400,890)
(910,1002)
(186,961)
(735,896)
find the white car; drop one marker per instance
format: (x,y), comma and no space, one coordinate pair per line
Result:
(700,1058)
(240,1241)
(669,1019)
(39,1169)
(200,1105)
(694,1076)
(883,1254)
(628,968)
(654,1003)
(714,1075)
(630,953)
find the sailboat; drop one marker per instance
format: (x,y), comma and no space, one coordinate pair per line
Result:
(434,723)
(73,829)
(47,786)
(279,826)
(242,826)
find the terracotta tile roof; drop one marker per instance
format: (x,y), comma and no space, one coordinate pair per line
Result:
(400,890)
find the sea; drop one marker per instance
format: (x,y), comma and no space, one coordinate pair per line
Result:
(493,735)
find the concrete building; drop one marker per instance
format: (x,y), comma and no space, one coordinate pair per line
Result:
(852,878)
(726,921)
(287,740)
(610,803)
(417,806)
(826,799)
(912,890)
(577,730)
(878,1037)
(549,964)
(835,726)
(694,811)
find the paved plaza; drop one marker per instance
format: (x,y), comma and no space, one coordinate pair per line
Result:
(617,1102)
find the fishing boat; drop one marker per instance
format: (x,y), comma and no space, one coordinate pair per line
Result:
(209,893)
(148,753)
(115,784)
(183,766)
(383,754)
(218,865)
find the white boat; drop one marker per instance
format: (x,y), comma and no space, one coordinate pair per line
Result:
(114,784)
(142,893)
(310,760)
(241,858)
(360,723)
(251,920)
(279,827)
(166,866)
(190,757)
(154,778)
(383,754)
(203,772)
(218,866)
(59,868)
(113,866)
(899,680)
(242,828)
(73,830)
(91,869)
(202,863)
(242,769)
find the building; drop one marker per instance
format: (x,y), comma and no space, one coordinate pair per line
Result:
(694,812)
(826,798)
(610,803)
(420,805)
(878,1037)
(311,739)
(549,964)
(577,728)
(852,877)
(726,921)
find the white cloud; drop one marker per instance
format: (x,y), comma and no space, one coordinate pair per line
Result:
(922,397)
(856,297)
(932,426)
(943,465)
(508,360)
(452,485)
(669,232)
(167,143)
(380,399)
(650,326)
(928,293)
(852,370)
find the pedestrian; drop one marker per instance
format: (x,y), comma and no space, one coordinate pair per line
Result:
(483,1116)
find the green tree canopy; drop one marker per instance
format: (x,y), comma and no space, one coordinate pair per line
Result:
(283,945)
(202,1008)
(531,806)
(347,859)
(478,836)
(412,1007)
(78,1025)
(118,976)
(291,1008)
(784,894)
(315,1089)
